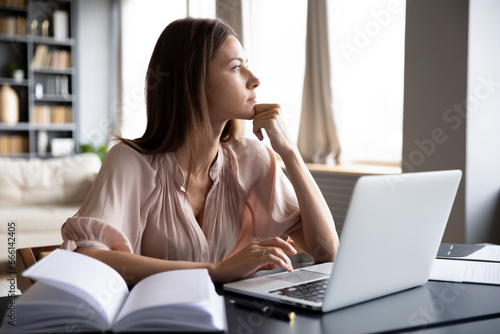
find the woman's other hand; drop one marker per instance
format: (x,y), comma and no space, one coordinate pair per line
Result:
(267,117)
(265,254)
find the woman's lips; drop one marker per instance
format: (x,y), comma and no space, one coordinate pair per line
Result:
(253,99)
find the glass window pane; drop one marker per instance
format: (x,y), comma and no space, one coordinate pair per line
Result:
(367,77)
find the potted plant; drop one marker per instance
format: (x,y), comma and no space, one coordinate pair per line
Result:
(17,71)
(99,150)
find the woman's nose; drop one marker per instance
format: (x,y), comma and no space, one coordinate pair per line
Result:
(253,81)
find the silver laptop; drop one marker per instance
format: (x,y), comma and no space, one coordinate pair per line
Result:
(389,241)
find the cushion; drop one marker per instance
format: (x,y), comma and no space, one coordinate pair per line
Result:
(47,181)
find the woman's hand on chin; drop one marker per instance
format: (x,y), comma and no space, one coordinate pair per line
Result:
(268,117)
(265,254)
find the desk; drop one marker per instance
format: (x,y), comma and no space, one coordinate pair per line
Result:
(436,307)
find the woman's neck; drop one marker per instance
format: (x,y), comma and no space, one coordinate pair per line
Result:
(203,162)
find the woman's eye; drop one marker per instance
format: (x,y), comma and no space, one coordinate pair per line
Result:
(237,68)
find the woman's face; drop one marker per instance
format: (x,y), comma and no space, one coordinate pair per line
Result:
(231,85)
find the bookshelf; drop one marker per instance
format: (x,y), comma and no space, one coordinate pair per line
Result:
(38,36)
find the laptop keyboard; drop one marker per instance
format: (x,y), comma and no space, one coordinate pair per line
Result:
(310,291)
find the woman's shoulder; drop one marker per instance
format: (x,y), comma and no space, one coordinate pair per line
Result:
(123,156)
(251,160)
(123,151)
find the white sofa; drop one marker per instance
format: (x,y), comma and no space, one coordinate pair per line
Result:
(38,195)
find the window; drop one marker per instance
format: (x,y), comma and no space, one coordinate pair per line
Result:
(142,22)
(367,50)
(275,47)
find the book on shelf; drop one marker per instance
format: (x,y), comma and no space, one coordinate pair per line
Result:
(53,59)
(77,292)
(13,3)
(13,144)
(46,115)
(13,25)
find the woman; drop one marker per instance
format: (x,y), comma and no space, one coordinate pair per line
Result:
(189,193)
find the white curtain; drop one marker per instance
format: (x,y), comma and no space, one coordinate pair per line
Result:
(318,141)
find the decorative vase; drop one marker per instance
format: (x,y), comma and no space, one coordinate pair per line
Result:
(42,142)
(18,76)
(9,105)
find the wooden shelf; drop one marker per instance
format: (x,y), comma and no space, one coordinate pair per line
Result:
(54,127)
(13,9)
(14,38)
(51,41)
(68,71)
(13,82)
(25,126)
(21,126)
(54,98)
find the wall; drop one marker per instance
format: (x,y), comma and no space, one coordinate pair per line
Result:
(483,122)
(452,106)
(435,81)
(94,49)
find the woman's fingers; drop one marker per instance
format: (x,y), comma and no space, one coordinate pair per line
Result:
(267,117)
(260,107)
(265,254)
(278,242)
(275,250)
(264,114)
(275,256)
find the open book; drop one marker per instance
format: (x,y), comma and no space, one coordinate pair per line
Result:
(75,292)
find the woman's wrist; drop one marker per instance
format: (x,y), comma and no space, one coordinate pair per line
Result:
(213,272)
(291,156)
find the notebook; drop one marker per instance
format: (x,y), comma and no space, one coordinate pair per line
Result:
(389,241)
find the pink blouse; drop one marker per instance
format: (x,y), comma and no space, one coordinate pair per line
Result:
(138,204)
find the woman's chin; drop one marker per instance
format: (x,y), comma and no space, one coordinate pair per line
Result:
(247,115)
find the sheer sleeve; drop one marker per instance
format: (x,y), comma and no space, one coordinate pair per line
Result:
(272,204)
(114,213)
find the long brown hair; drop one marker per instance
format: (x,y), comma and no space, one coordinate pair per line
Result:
(176,90)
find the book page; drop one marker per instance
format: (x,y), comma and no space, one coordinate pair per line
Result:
(180,298)
(89,279)
(46,309)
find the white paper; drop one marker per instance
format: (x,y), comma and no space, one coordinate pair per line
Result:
(487,253)
(466,271)
(446,270)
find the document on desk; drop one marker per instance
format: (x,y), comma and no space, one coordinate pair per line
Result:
(466,271)
(474,252)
